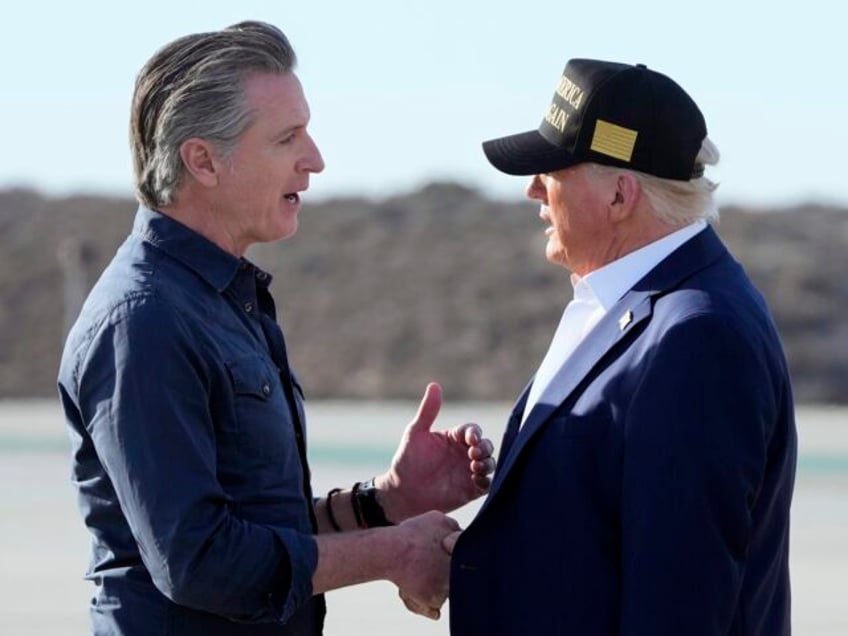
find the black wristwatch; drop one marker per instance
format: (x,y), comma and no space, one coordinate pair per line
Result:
(367,509)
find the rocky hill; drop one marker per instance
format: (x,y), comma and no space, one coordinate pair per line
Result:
(379,296)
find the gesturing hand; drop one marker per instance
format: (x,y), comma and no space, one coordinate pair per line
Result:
(435,470)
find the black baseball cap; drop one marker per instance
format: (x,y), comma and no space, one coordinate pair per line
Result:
(620,115)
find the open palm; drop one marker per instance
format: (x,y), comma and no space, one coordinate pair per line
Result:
(437,470)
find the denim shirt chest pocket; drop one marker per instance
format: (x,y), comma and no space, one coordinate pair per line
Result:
(263,421)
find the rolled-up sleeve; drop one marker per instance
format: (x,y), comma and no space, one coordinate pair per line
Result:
(146,395)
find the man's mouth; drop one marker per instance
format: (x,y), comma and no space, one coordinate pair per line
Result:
(292,197)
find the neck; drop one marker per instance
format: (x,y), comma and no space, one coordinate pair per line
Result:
(626,236)
(202,217)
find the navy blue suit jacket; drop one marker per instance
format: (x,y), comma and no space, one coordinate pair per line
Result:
(648,492)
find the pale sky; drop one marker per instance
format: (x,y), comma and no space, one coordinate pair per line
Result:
(403,93)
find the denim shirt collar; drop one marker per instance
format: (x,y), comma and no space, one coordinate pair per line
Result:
(213,264)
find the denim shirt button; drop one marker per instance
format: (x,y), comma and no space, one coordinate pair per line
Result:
(248,306)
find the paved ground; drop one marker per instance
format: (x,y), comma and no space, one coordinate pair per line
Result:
(44,548)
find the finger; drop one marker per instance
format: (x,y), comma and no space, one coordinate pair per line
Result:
(471,433)
(411,605)
(428,410)
(420,608)
(452,523)
(449,542)
(468,434)
(483,467)
(482,482)
(482,450)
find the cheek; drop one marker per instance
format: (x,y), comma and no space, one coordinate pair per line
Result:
(561,220)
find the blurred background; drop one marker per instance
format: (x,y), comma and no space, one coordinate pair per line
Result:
(415,260)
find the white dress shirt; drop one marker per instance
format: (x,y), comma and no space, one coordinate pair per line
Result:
(594,296)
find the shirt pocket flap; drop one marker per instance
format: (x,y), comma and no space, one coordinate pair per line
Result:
(251,375)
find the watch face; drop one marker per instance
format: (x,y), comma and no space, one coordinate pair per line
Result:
(372,512)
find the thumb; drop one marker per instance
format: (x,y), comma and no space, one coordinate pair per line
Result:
(450,541)
(428,410)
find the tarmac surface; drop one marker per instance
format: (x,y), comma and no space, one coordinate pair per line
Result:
(44,546)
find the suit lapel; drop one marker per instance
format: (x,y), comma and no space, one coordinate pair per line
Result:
(633,308)
(514,422)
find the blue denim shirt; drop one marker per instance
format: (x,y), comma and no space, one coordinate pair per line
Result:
(187,433)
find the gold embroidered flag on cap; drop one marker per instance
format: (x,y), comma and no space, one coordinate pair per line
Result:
(612,140)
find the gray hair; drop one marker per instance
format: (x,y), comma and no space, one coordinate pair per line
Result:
(194,87)
(679,203)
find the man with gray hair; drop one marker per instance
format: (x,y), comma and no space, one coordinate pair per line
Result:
(186,420)
(646,472)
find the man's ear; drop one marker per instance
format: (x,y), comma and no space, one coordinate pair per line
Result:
(201,161)
(625,196)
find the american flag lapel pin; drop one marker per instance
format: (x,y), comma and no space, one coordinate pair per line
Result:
(625,320)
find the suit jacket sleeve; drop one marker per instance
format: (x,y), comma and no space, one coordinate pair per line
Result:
(696,437)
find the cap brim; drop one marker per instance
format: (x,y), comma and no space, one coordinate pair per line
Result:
(526,153)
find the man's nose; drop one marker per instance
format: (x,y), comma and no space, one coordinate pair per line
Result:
(312,160)
(535,189)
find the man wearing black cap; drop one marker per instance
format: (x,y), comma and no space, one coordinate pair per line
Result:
(646,473)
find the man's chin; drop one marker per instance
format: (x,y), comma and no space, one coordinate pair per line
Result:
(288,233)
(280,233)
(555,255)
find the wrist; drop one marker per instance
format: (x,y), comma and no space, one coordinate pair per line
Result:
(391,498)
(350,558)
(400,545)
(334,524)
(368,502)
